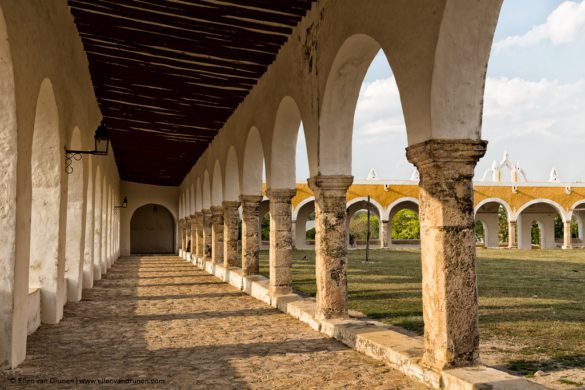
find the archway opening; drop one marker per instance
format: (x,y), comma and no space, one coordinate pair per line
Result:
(152,230)
(46,267)
(404,225)
(264,216)
(491,226)
(357,217)
(304,226)
(543,235)
(536,231)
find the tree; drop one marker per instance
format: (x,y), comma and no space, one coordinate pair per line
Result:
(265,227)
(479,232)
(359,223)
(405,225)
(503,224)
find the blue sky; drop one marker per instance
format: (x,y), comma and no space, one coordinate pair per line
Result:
(534,102)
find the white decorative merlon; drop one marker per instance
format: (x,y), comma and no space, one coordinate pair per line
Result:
(372,175)
(415,176)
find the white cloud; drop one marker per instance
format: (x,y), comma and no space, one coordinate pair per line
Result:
(541,123)
(516,108)
(564,25)
(378,111)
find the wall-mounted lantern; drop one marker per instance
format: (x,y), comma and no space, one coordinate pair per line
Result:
(124,204)
(102,143)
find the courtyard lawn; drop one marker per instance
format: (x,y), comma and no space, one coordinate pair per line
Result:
(532,303)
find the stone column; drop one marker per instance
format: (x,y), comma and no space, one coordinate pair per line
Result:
(188,248)
(513,234)
(193,238)
(567,241)
(230,233)
(206,235)
(384,234)
(216,235)
(449,281)
(199,241)
(331,244)
(280,240)
(182,236)
(293,228)
(250,233)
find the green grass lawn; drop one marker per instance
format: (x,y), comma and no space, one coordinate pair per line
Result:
(532,303)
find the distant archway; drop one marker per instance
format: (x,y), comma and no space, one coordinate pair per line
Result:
(152,230)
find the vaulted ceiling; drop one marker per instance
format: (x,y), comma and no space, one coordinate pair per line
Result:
(169,73)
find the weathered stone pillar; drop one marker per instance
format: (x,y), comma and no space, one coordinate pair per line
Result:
(567,241)
(188,243)
(384,234)
(206,234)
(280,240)
(199,244)
(182,236)
(230,233)
(331,244)
(193,237)
(513,234)
(217,235)
(449,281)
(250,233)
(293,228)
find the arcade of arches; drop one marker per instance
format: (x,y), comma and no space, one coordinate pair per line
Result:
(191,131)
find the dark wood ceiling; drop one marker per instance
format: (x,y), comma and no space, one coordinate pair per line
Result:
(169,73)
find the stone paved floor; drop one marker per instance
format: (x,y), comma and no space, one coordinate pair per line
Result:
(162,319)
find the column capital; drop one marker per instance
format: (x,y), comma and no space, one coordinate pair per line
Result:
(215,210)
(250,199)
(281,193)
(441,151)
(217,214)
(330,182)
(230,204)
(206,212)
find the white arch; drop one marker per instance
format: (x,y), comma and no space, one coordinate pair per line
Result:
(560,210)
(373,201)
(495,200)
(206,204)
(191,200)
(13,246)
(198,196)
(89,227)
(281,172)
(339,103)
(300,206)
(46,235)
(397,202)
(231,185)
(75,234)
(216,186)
(253,160)
(573,207)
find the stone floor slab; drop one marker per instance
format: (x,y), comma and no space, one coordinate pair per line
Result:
(162,320)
